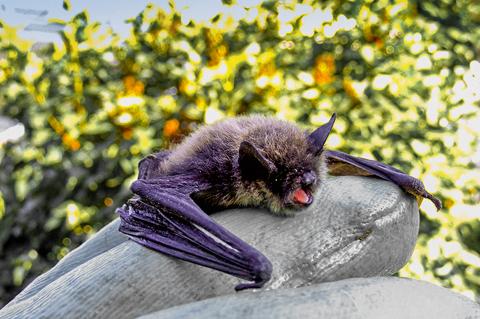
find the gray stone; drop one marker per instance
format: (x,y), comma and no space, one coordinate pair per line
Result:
(107,238)
(357,227)
(373,298)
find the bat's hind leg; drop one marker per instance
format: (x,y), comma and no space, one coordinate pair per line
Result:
(149,166)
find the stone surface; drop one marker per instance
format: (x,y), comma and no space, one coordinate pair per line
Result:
(357,227)
(373,298)
(107,238)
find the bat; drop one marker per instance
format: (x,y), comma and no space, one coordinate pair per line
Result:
(247,161)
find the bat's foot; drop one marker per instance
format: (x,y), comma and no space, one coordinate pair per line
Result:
(261,279)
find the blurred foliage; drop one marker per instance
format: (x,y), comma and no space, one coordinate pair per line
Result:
(403,76)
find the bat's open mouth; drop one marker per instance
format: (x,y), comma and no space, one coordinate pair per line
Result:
(302,196)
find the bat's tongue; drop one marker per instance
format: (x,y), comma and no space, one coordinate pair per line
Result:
(300,196)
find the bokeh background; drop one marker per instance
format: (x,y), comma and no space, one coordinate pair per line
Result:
(79,113)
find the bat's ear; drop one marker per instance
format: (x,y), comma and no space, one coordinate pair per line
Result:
(318,137)
(252,163)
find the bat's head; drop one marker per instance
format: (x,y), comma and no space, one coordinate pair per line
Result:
(284,164)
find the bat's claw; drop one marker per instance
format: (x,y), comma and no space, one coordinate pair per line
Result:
(262,277)
(253,285)
(435,201)
(137,187)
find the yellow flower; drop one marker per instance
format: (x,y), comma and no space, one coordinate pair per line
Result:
(133,86)
(127,133)
(187,87)
(324,69)
(171,127)
(217,49)
(108,201)
(70,142)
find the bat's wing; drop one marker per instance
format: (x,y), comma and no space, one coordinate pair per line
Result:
(165,218)
(150,164)
(340,163)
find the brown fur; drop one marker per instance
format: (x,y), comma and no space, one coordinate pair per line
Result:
(213,151)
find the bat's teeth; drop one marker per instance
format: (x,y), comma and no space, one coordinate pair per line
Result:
(302,197)
(310,198)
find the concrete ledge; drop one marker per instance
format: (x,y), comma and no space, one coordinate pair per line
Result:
(357,227)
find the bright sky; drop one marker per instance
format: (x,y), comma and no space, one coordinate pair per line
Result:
(113,13)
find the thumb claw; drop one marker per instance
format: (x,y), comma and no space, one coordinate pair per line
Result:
(253,285)
(136,187)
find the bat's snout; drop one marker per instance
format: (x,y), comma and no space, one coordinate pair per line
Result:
(309,178)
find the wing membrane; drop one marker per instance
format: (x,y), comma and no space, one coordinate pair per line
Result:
(164,218)
(340,163)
